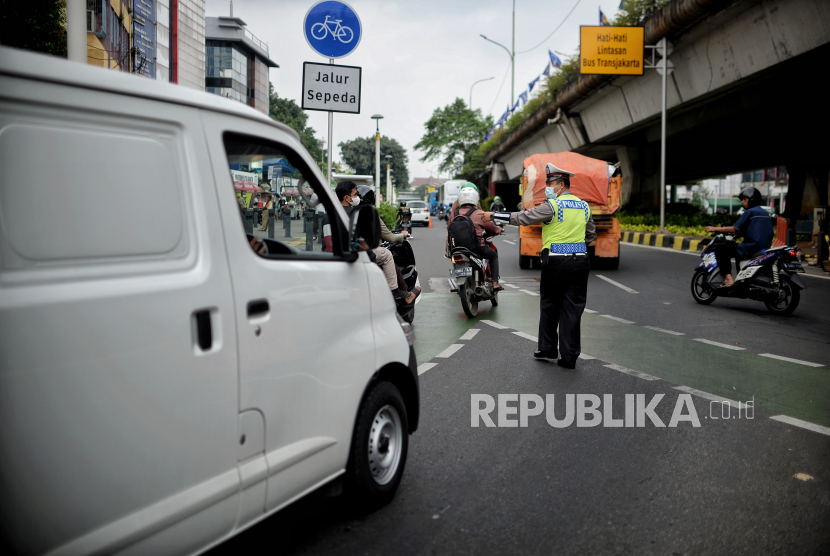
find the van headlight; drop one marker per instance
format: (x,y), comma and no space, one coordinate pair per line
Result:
(407,330)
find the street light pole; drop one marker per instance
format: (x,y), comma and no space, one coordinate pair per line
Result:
(388,176)
(377,118)
(512,65)
(471,90)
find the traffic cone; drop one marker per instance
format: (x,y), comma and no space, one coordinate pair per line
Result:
(430,222)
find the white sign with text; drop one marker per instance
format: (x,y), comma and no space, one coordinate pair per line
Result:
(331,88)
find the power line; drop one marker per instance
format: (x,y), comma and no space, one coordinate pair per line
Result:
(500,86)
(554,31)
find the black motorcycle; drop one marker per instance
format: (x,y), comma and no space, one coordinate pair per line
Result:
(472,278)
(404,258)
(404,222)
(770,276)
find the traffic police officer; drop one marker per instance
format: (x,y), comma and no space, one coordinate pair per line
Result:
(567,228)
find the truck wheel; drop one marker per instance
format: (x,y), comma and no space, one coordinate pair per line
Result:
(524,262)
(536,263)
(379,446)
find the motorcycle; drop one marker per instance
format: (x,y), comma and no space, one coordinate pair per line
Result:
(404,222)
(442,214)
(477,284)
(770,276)
(404,258)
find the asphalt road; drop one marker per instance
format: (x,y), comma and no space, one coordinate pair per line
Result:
(747,480)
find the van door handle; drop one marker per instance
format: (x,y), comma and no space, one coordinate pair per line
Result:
(258,308)
(204,332)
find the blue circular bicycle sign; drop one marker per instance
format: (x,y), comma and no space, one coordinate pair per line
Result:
(332,29)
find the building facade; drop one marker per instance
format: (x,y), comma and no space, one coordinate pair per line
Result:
(180,42)
(237,62)
(108,39)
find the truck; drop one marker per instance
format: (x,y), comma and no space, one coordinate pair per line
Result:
(595,183)
(449,194)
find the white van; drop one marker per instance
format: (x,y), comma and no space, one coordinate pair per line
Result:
(167,379)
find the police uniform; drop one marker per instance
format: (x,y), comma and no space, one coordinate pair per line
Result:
(567,228)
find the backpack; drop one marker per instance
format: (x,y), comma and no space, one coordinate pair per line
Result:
(462,231)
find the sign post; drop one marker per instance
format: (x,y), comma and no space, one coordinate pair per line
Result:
(333,30)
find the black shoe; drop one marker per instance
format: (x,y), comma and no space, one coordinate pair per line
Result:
(566,364)
(548,355)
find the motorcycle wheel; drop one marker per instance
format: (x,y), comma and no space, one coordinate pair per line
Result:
(787,305)
(468,299)
(495,299)
(701,291)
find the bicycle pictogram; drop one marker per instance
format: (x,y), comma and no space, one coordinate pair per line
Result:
(339,32)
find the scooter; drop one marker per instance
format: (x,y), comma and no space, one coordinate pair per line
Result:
(770,276)
(472,279)
(404,222)
(404,258)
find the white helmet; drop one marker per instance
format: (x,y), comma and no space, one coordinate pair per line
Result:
(467,196)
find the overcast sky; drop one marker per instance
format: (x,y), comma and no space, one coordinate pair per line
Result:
(419,55)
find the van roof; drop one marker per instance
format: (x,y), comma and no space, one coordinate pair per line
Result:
(42,67)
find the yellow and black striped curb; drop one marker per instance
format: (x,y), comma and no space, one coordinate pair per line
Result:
(681,243)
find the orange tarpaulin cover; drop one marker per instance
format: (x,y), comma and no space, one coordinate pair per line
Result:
(589,184)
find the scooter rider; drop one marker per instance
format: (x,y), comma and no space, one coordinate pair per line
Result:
(566,230)
(756,227)
(467,199)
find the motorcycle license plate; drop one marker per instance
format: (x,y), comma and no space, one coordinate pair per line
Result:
(463,271)
(793,267)
(748,272)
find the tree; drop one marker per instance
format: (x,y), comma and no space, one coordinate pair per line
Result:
(453,136)
(38,25)
(285,110)
(360,154)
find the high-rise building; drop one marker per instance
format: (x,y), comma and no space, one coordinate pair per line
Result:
(180,42)
(237,62)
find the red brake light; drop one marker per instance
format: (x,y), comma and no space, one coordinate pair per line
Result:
(794,253)
(457,258)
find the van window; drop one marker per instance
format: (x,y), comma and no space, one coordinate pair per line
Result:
(283,210)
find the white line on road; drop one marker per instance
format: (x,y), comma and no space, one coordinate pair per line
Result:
(664,330)
(586,357)
(510,286)
(727,346)
(618,319)
(711,397)
(424,367)
(638,374)
(803,424)
(450,350)
(661,248)
(610,281)
(510,242)
(470,334)
(799,361)
(530,292)
(590,311)
(526,336)
(494,324)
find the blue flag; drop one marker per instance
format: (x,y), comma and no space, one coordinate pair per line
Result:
(621,4)
(532,84)
(554,60)
(523,96)
(602,19)
(515,107)
(546,73)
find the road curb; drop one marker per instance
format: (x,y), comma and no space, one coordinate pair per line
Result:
(672,241)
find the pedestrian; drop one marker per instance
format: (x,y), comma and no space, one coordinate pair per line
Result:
(269,206)
(567,229)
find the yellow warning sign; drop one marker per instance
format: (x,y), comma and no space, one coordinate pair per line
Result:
(611,50)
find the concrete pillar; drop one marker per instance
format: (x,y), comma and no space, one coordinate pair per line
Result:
(628,157)
(76,30)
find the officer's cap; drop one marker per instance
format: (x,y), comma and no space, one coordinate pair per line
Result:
(554,173)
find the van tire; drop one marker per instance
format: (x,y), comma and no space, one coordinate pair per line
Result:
(379,447)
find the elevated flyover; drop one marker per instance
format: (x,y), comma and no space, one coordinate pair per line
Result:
(746,93)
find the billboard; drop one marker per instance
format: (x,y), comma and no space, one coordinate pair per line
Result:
(144,37)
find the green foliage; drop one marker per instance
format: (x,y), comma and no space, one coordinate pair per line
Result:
(388,214)
(288,112)
(38,25)
(485,203)
(680,218)
(634,12)
(453,134)
(360,154)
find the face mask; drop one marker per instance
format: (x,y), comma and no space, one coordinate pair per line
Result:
(354,201)
(550,193)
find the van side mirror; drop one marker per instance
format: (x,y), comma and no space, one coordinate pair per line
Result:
(364,225)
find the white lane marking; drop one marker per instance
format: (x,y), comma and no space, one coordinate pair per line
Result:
(530,292)
(711,397)
(799,361)
(438,285)
(450,350)
(610,281)
(494,324)
(696,254)
(511,286)
(816,276)
(727,346)
(470,334)
(664,330)
(618,319)
(638,374)
(586,357)
(803,424)
(508,241)
(424,367)
(590,311)
(526,336)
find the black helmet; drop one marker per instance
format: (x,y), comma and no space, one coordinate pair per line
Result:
(366,194)
(403,204)
(752,194)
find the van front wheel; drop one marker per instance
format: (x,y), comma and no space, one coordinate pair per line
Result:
(379,446)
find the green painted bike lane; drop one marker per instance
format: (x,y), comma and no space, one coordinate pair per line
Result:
(777,386)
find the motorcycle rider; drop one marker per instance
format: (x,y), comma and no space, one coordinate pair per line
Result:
(467,199)
(497,205)
(756,227)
